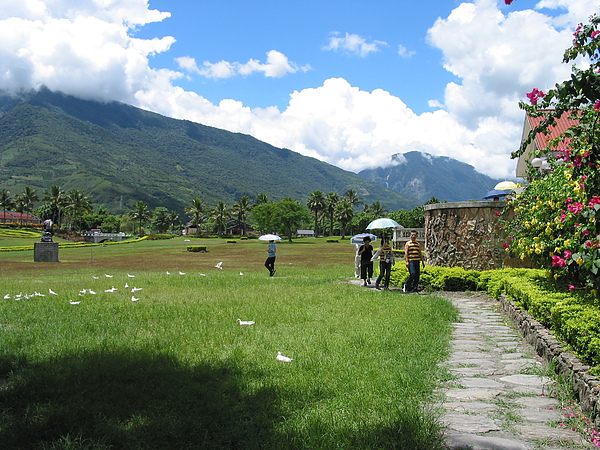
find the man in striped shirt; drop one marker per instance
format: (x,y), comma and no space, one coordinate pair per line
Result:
(414,258)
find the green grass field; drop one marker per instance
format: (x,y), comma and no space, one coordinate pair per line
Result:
(173,369)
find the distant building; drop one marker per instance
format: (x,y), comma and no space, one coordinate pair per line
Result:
(305,233)
(540,142)
(17,217)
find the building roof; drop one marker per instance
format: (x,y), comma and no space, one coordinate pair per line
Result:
(563,123)
(14,216)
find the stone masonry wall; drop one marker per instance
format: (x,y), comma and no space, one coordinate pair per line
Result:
(466,234)
(585,386)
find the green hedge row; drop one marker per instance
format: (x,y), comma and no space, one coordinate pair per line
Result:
(573,317)
(71,245)
(196,248)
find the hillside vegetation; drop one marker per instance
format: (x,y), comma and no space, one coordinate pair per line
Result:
(119,155)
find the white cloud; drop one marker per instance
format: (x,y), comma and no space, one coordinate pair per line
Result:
(84,50)
(277,65)
(497,58)
(404,52)
(87,49)
(353,44)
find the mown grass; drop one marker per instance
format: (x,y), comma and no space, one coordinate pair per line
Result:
(175,370)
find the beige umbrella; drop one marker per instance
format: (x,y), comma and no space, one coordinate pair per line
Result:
(505,185)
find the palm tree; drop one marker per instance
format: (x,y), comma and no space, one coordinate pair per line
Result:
(242,207)
(76,205)
(28,197)
(220,214)
(352,197)
(377,209)
(20,206)
(174,220)
(56,198)
(141,213)
(331,200)
(261,199)
(316,203)
(6,201)
(196,212)
(344,212)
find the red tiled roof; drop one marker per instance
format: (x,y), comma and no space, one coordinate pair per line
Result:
(13,216)
(563,123)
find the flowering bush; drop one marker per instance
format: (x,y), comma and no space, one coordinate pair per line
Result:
(556,217)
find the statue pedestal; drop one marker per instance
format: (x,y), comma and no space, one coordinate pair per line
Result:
(45,252)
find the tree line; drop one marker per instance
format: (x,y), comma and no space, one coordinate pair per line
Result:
(328,214)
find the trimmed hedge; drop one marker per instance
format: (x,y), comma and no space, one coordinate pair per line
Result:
(573,316)
(72,244)
(196,248)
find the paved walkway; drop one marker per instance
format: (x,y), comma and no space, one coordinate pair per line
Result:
(499,399)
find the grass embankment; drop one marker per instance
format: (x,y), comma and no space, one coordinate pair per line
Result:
(175,370)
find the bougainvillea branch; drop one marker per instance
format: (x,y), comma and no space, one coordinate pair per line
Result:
(557,222)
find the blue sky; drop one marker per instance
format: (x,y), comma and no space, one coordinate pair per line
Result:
(239,31)
(348,82)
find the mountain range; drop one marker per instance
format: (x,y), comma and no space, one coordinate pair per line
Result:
(422,176)
(118,155)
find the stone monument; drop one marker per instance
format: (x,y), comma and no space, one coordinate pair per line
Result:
(46,250)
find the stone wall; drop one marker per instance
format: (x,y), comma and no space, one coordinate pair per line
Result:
(586,387)
(466,234)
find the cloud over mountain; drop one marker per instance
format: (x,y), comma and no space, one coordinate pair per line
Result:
(89,49)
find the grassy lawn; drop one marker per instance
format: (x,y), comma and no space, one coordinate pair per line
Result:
(175,370)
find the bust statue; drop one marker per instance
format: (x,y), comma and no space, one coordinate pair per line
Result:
(47,236)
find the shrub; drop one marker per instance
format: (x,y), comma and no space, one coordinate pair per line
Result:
(196,248)
(438,278)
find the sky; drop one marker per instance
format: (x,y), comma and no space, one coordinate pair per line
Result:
(347,82)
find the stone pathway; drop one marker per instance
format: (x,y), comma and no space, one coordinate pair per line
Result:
(498,400)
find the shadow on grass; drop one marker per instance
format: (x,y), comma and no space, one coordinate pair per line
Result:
(125,400)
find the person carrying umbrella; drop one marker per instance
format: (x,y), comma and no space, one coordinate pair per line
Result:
(413,258)
(270,262)
(386,261)
(366,265)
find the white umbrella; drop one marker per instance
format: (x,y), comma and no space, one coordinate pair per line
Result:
(383,223)
(269,237)
(505,185)
(359,238)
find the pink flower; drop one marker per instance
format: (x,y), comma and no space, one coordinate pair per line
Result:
(576,207)
(597,105)
(535,95)
(568,254)
(594,34)
(508,2)
(558,261)
(571,287)
(498,213)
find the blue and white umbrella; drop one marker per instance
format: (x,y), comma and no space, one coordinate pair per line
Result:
(496,193)
(359,238)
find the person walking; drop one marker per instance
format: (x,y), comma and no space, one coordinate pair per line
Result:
(270,262)
(386,261)
(414,259)
(356,261)
(366,265)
